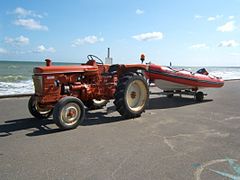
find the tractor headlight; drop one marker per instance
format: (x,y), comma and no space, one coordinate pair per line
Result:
(56,83)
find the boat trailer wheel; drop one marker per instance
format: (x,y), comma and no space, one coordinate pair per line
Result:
(199,96)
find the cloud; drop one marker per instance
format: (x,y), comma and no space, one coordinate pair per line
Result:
(87,40)
(139,12)
(231,17)
(228,27)
(3,51)
(198,46)
(26,19)
(148,36)
(21,12)
(42,49)
(213,18)
(198,16)
(229,43)
(21,40)
(30,24)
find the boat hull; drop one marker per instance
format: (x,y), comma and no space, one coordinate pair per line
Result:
(170,86)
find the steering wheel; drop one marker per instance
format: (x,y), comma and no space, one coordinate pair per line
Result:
(93,57)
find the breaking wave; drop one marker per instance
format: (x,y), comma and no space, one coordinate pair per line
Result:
(11,78)
(21,87)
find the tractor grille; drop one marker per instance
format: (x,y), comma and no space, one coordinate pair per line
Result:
(38,85)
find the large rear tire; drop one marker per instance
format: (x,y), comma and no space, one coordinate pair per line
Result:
(37,111)
(68,113)
(131,95)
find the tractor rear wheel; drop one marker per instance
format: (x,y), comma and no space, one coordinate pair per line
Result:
(68,113)
(95,104)
(131,95)
(37,111)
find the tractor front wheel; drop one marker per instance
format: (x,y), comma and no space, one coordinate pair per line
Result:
(131,95)
(68,113)
(37,111)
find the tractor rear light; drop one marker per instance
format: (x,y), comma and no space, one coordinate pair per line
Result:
(142,57)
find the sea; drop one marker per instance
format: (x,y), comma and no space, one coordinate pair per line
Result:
(16,76)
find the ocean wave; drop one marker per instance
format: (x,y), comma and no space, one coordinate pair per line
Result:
(22,87)
(226,75)
(12,78)
(12,67)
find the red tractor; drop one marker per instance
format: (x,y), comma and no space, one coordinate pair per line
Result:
(65,91)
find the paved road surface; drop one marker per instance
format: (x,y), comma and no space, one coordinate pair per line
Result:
(175,139)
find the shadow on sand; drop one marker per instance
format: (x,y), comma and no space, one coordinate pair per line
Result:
(166,103)
(41,127)
(30,124)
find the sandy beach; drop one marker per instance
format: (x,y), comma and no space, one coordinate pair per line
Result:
(175,139)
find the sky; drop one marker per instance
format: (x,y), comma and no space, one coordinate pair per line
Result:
(186,33)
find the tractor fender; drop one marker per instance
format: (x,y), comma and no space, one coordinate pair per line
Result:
(135,66)
(131,68)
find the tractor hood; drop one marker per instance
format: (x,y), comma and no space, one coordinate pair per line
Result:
(64,69)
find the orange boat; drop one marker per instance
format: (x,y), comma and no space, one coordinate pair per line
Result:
(167,78)
(183,82)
